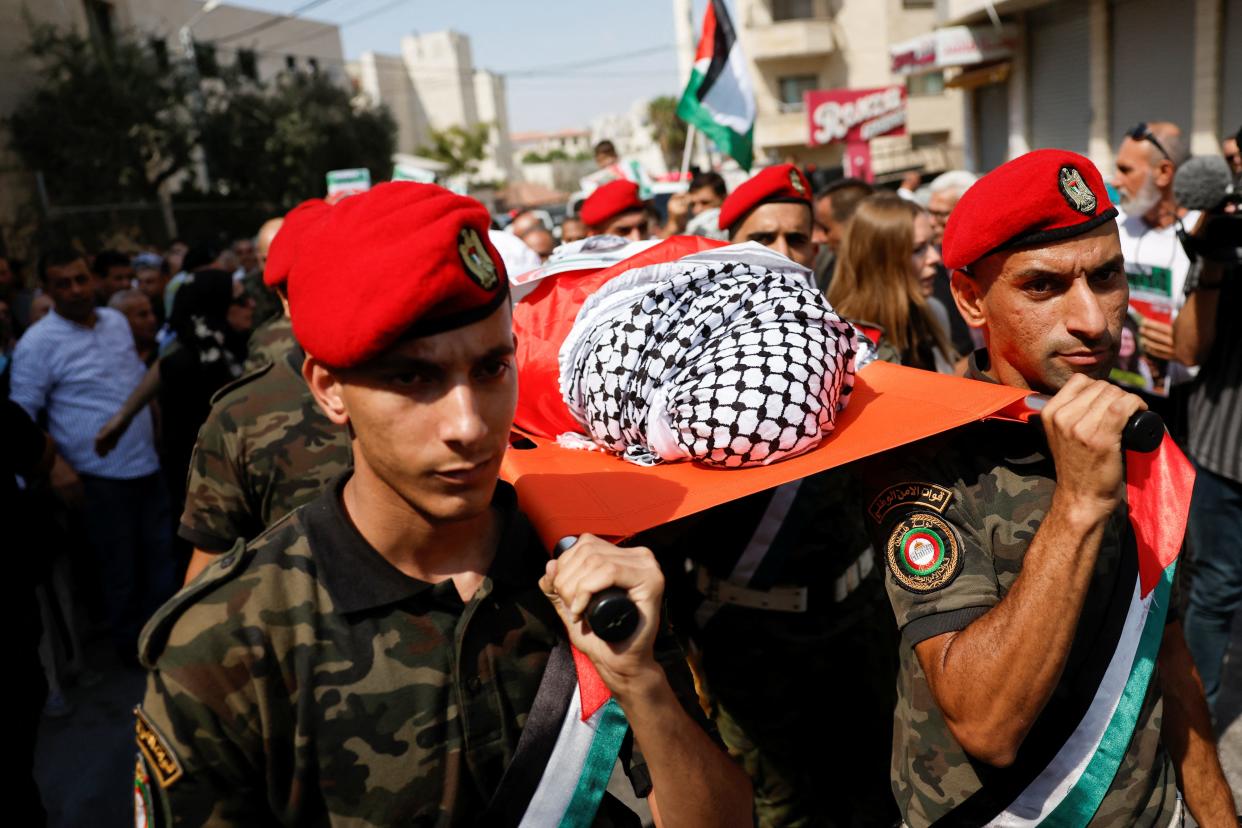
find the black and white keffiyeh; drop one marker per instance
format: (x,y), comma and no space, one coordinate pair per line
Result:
(728,357)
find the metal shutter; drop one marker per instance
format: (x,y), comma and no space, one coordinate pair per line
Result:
(992,118)
(1058,45)
(1231,69)
(1153,52)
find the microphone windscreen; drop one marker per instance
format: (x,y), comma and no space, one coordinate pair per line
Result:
(1202,182)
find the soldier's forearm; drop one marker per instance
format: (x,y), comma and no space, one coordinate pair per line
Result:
(1187,734)
(992,679)
(693,780)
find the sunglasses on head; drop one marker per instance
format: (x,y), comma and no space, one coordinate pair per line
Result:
(1142,133)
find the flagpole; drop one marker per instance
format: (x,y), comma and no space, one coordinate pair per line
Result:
(685,155)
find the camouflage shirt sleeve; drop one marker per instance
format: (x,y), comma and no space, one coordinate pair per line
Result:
(200,746)
(929,532)
(216,511)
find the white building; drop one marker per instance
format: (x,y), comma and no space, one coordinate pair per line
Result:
(434,85)
(630,132)
(798,46)
(1083,72)
(261,44)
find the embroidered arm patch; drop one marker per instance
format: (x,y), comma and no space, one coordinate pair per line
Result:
(927,495)
(923,552)
(159,754)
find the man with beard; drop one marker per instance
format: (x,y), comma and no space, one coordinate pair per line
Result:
(1156,264)
(1027,694)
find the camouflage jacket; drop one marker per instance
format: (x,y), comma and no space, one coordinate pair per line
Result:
(270,341)
(952,517)
(304,680)
(265,449)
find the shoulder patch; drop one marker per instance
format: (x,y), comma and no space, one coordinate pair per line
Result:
(926,495)
(155,633)
(158,754)
(923,553)
(244,379)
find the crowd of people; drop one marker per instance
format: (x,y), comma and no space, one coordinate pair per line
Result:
(304,451)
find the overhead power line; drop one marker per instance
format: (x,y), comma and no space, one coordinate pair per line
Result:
(344,23)
(275,21)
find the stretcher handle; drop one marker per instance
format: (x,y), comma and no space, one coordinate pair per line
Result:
(1144,431)
(611,614)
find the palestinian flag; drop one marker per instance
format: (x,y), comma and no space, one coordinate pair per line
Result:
(1069,789)
(567,750)
(719,99)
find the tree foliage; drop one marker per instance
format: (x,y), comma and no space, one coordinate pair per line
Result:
(461,148)
(276,144)
(104,125)
(668,130)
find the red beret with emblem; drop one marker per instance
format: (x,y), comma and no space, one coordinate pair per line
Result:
(1038,198)
(400,260)
(284,247)
(609,201)
(782,183)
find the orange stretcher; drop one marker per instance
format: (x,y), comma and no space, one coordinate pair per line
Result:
(568,492)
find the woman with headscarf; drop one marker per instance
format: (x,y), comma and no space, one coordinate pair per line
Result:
(211,317)
(884,279)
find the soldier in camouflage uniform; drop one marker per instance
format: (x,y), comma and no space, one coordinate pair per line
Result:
(796,646)
(375,657)
(1010,560)
(266,447)
(796,643)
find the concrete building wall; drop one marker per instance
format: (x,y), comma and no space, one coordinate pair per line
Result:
(844,44)
(493,109)
(305,44)
(1140,60)
(441,68)
(384,78)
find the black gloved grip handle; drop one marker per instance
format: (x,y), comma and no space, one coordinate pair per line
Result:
(1143,432)
(611,614)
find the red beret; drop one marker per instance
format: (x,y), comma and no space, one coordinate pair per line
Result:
(284,247)
(1038,198)
(609,201)
(402,259)
(782,183)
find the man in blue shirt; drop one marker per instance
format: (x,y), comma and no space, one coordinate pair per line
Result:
(78,365)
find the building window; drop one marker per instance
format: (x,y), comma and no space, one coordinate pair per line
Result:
(792,88)
(313,63)
(793,9)
(925,85)
(99,19)
(925,140)
(159,49)
(205,60)
(247,63)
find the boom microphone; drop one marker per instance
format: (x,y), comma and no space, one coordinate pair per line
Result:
(1203,183)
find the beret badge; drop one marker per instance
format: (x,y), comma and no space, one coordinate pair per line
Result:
(479,265)
(795,181)
(1076,191)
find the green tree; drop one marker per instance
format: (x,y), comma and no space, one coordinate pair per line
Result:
(275,144)
(461,148)
(104,124)
(668,130)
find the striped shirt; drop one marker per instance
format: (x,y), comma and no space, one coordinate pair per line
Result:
(1215,416)
(81,376)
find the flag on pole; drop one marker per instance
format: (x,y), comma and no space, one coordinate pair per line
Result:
(719,99)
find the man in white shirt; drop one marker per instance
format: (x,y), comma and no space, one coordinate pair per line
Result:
(1155,263)
(78,364)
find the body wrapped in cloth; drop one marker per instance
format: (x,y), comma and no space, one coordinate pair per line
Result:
(728,357)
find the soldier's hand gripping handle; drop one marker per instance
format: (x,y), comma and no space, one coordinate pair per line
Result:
(610,614)
(1143,432)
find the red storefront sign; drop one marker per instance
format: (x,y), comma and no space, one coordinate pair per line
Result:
(855,115)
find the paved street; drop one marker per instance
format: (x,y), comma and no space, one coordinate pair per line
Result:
(85,762)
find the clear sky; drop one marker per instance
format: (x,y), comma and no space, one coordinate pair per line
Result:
(528,42)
